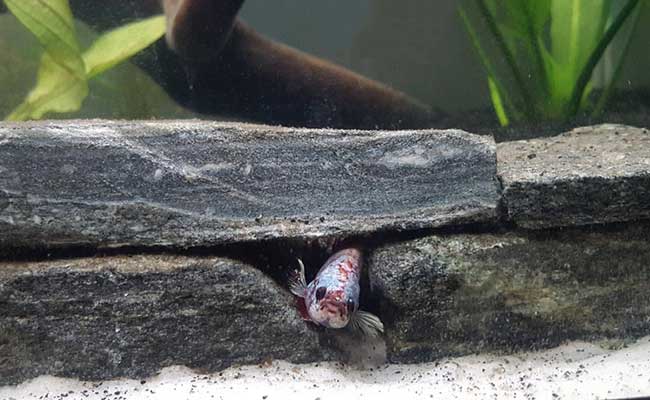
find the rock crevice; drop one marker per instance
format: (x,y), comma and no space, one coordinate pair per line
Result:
(562,252)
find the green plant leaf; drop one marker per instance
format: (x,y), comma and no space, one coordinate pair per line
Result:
(497,102)
(582,85)
(121,43)
(576,28)
(486,61)
(538,14)
(527,103)
(525,15)
(52,23)
(61,85)
(123,92)
(604,97)
(56,91)
(559,81)
(544,53)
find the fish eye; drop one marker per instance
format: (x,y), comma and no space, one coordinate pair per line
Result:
(351,306)
(320,292)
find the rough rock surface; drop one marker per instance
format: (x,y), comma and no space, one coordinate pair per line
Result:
(590,175)
(97,318)
(461,294)
(196,183)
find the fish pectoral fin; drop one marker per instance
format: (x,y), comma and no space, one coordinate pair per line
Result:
(297,282)
(366,323)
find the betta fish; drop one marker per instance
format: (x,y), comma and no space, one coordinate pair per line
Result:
(332,298)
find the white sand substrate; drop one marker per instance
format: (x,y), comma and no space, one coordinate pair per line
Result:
(574,371)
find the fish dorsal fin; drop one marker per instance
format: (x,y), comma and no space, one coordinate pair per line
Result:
(366,323)
(297,282)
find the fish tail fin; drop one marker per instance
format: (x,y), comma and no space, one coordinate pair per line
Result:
(297,282)
(366,323)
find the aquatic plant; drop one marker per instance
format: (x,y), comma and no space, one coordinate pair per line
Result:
(64,71)
(540,55)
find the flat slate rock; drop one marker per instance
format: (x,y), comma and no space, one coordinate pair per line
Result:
(451,295)
(590,175)
(100,318)
(196,183)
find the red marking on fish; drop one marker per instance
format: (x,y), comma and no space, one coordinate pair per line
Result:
(302,309)
(346,268)
(333,295)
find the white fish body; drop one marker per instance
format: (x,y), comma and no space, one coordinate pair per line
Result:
(332,298)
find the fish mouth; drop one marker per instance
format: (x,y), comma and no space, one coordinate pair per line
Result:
(334,315)
(334,309)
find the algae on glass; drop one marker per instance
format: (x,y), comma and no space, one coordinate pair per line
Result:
(540,55)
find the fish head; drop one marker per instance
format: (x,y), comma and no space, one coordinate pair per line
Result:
(331,308)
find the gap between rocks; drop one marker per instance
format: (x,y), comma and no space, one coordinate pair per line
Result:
(276,258)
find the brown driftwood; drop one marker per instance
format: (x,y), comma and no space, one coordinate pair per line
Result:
(219,66)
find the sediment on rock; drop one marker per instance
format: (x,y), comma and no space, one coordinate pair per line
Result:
(590,175)
(446,295)
(566,258)
(103,183)
(130,316)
